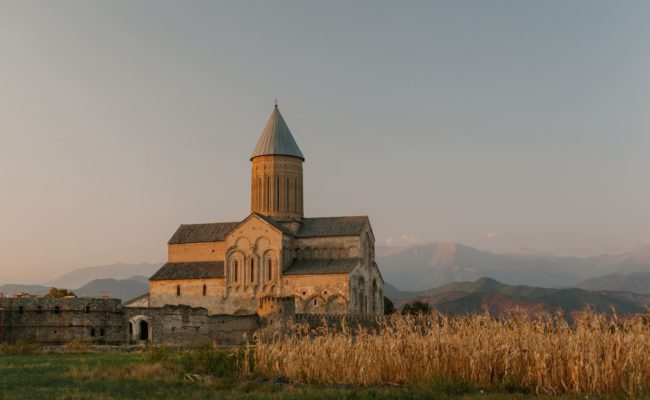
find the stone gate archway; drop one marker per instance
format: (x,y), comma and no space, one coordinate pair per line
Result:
(140,328)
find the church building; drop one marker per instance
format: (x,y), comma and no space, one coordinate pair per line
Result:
(326,264)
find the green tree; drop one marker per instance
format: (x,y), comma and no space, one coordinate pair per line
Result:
(416,307)
(389,307)
(55,293)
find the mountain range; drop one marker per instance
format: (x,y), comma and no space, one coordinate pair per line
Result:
(498,298)
(122,281)
(80,277)
(636,282)
(421,267)
(464,279)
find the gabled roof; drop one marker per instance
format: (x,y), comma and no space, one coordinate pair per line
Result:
(333,226)
(317,267)
(268,220)
(189,270)
(197,233)
(309,227)
(277,139)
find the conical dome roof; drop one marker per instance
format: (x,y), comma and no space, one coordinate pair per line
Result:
(276,139)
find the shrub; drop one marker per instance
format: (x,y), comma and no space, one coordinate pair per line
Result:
(417,307)
(389,307)
(55,293)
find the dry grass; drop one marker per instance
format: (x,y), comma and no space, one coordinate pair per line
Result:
(596,355)
(135,371)
(20,349)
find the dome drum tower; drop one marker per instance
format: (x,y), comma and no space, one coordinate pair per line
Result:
(276,181)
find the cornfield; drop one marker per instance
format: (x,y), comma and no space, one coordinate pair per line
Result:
(546,355)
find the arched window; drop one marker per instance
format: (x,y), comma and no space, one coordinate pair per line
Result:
(277,194)
(269,270)
(252,270)
(235,271)
(267,198)
(295,195)
(205,289)
(178,290)
(287,206)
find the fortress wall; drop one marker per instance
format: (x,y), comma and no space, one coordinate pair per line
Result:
(196,252)
(59,321)
(184,325)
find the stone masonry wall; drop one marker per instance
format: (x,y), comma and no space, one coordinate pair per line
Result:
(105,321)
(184,325)
(59,321)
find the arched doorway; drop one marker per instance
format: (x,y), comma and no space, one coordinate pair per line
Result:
(140,328)
(144,330)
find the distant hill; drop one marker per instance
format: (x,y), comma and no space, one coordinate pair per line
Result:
(140,278)
(80,277)
(497,298)
(395,294)
(636,282)
(122,289)
(10,289)
(429,265)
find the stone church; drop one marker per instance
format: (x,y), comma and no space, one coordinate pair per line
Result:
(326,264)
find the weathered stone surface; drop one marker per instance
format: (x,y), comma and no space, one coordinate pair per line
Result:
(106,322)
(55,321)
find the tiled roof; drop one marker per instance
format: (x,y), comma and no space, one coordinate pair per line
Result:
(309,227)
(333,226)
(329,266)
(189,270)
(276,139)
(197,233)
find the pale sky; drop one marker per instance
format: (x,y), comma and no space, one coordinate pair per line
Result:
(505,125)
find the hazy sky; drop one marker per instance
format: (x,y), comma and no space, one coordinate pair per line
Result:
(506,125)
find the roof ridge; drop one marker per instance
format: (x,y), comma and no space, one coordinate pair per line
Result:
(340,216)
(211,223)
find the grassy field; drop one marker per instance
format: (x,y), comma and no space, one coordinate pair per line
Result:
(139,376)
(429,356)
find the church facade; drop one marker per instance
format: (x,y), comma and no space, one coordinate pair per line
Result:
(326,264)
